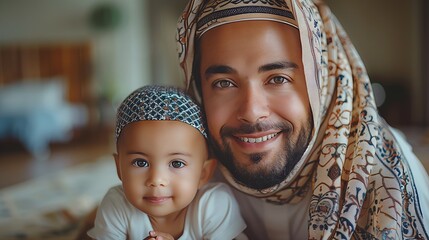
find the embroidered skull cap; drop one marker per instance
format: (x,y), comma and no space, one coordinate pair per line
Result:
(159,103)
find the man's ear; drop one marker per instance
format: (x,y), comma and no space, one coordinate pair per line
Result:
(207,171)
(118,166)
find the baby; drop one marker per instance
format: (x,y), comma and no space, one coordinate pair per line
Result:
(163,162)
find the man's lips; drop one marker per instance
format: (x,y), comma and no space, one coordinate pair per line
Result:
(255,142)
(258,139)
(156,200)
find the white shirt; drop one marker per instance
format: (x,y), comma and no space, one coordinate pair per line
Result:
(213,214)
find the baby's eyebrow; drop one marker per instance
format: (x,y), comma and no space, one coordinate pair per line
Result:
(170,154)
(136,152)
(180,154)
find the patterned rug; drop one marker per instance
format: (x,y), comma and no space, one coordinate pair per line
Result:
(54,206)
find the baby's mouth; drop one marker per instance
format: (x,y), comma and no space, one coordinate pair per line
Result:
(156,199)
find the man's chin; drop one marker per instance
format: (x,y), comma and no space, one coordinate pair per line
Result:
(252,168)
(260,170)
(254,162)
(257,175)
(257,180)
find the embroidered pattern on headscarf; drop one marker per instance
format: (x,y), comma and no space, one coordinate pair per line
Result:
(361,183)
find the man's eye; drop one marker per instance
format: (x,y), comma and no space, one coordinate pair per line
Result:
(278,80)
(140,163)
(223,84)
(177,164)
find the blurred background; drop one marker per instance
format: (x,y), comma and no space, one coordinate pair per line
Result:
(65,65)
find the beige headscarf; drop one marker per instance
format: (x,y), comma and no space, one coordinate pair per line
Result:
(362,186)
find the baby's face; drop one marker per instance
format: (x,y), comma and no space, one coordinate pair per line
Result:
(160,164)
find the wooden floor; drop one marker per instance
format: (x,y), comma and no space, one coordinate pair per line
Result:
(17,165)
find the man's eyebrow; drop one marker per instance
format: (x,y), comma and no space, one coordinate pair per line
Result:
(216,69)
(277,65)
(219,69)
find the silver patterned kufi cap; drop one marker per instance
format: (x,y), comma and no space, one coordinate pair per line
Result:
(159,103)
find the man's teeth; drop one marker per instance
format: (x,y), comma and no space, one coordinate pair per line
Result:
(258,140)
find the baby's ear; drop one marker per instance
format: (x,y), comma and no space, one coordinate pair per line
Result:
(207,172)
(118,166)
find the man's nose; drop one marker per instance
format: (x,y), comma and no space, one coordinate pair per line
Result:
(253,106)
(157,178)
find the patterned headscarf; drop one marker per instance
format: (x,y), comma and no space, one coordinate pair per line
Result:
(361,183)
(159,103)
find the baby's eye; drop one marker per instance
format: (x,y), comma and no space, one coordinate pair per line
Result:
(223,84)
(177,164)
(140,163)
(278,80)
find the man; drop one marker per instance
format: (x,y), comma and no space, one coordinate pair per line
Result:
(293,121)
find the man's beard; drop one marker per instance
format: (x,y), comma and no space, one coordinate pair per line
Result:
(270,175)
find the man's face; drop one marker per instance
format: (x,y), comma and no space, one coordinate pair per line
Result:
(255,98)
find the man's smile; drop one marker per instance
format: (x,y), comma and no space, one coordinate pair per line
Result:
(257,139)
(257,142)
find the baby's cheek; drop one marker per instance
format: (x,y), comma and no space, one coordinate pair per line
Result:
(186,191)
